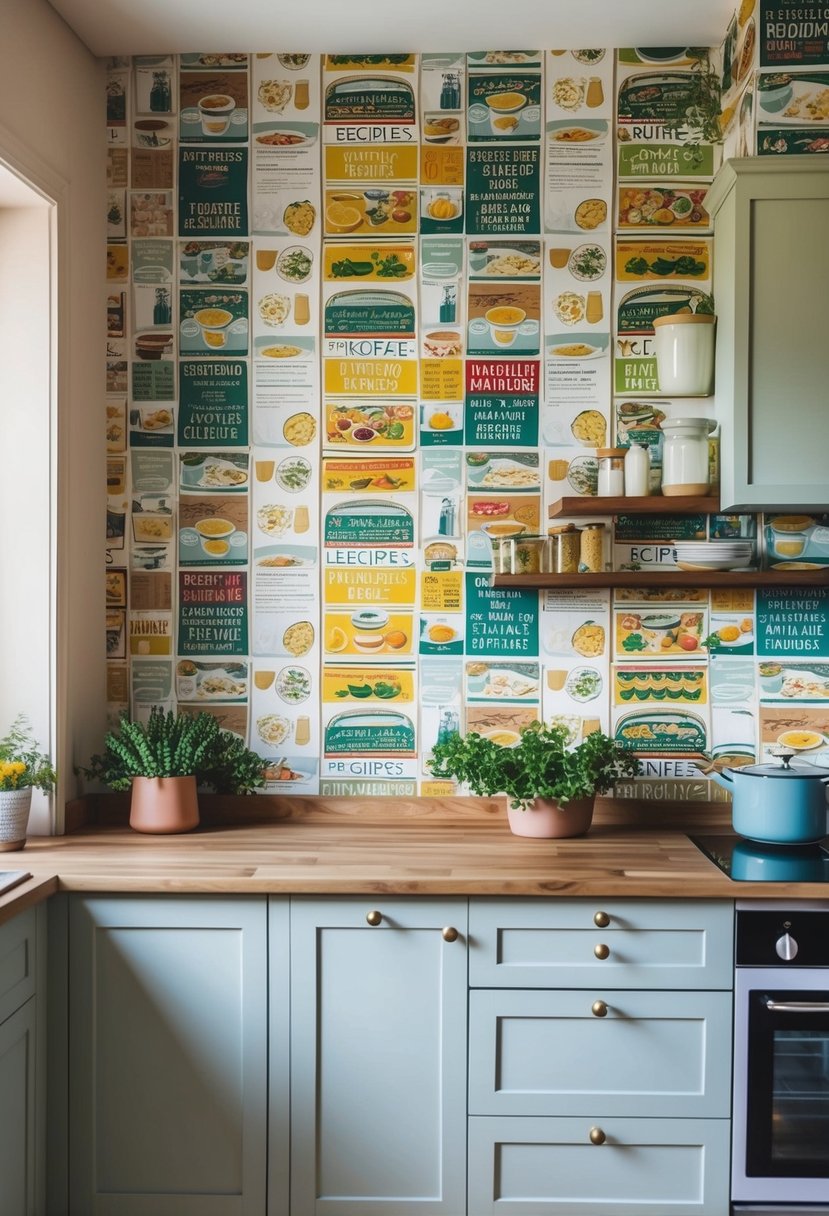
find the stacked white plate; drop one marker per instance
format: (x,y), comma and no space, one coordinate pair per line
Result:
(713,555)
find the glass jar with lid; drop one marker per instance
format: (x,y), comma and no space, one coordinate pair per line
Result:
(611,478)
(591,549)
(565,542)
(685,455)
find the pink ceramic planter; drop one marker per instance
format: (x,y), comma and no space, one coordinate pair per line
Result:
(545,819)
(163,805)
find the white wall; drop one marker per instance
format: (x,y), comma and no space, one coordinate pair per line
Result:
(51,132)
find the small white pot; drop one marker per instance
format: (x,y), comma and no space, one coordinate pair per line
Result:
(15,806)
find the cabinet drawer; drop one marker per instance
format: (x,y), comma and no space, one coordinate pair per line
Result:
(18,961)
(542,1167)
(578,943)
(651,1053)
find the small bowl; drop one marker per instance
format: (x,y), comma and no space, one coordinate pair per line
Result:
(503,529)
(775,99)
(506,103)
(214,529)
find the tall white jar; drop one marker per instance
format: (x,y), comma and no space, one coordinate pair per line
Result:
(685,455)
(684,347)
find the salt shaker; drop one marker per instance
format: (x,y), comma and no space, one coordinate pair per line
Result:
(637,471)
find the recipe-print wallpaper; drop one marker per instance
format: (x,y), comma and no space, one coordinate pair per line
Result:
(368,316)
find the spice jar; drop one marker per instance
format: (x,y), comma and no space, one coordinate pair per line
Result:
(685,455)
(564,558)
(591,549)
(529,554)
(611,481)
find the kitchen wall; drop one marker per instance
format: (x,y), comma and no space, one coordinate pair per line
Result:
(368,317)
(50,107)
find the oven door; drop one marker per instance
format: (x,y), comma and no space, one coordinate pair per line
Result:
(781,1085)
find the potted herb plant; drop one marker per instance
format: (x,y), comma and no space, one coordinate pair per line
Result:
(166,759)
(23,767)
(550,786)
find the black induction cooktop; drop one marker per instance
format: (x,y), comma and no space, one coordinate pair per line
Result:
(751,861)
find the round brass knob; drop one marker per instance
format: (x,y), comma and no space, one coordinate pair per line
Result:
(601,920)
(598,1009)
(597,1136)
(601,951)
(374,917)
(450,934)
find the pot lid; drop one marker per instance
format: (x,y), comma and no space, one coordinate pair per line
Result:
(785,769)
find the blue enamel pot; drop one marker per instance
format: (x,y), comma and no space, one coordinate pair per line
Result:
(777,804)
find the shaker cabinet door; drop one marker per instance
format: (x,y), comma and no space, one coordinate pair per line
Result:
(378,1057)
(18,1118)
(168,1038)
(771,266)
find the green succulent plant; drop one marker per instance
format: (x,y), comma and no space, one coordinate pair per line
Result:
(177,745)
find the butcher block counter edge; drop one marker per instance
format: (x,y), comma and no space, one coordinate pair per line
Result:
(383,846)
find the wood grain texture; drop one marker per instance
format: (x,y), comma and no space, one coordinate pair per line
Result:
(386,846)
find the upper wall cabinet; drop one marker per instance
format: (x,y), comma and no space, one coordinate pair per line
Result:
(771,270)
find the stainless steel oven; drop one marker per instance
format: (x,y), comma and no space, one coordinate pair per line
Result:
(781,1059)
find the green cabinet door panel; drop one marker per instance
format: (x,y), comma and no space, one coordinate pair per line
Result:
(167,1051)
(378,1057)
(18,1113)
(550,1167)
(18,961)
(526,943)
(771,267)
(619,1052)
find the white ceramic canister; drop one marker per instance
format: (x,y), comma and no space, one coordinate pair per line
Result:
(684,347)
(685,455)
(637,471)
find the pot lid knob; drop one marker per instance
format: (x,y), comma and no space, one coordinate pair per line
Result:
(785,754)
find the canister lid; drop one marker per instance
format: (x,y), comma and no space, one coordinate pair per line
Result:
(685,318)
(611,452)
(596,525)
(561,528)
(704,425)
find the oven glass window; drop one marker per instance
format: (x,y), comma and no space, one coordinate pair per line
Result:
(800,1095)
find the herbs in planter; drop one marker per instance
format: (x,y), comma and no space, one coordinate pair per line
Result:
(541,765)
(177,745)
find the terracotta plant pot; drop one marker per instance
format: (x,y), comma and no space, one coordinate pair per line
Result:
(15,806)
(546,820)
(164,805)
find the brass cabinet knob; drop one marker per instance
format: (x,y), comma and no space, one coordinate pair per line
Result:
(601,920)
(601,951)
(374,917)
(597,1136)
(450,934)
(598,1009)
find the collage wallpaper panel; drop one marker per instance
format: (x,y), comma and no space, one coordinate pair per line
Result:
(368,316)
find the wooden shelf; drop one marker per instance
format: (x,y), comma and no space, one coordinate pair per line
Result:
(653,504)
(668,578)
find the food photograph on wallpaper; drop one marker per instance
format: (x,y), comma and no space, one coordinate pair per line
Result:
(383,332)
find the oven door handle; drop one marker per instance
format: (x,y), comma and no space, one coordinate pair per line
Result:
(796,1006)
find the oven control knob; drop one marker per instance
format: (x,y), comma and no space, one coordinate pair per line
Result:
(786,947)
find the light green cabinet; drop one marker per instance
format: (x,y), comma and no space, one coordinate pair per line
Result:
(771,267)
(167,1052)
(599,1057)
(378,1057)
(22,1064)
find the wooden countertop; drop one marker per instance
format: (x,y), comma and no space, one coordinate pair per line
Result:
(388,847)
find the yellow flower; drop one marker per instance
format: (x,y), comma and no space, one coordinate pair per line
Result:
(10,772)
